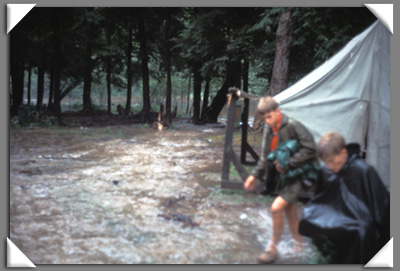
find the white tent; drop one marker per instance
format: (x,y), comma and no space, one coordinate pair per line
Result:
(350,94)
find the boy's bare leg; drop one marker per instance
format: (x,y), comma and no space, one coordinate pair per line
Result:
(293,221)
(277,208)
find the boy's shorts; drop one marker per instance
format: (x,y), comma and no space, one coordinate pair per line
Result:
(291,192)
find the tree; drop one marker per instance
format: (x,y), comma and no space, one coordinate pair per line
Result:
(232,79)
(108,70)
(318,33)
(197,79)
(89,24)
(129,68)
(237,44)
(16,71)
(214,44)
(144,57)
(168,64)
(29,83)
(280,73)
(57,68)
(40,87)
(206,95)
(113,50)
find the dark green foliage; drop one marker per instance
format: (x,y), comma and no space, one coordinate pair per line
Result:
(321,32)
(89,47)
(28,116)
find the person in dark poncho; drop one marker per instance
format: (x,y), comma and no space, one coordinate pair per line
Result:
(348,217)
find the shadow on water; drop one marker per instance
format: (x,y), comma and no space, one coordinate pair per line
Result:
(132,195)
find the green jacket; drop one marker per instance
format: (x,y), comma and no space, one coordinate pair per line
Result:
(282,154)
(289,129)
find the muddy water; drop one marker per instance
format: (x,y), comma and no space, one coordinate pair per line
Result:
(95,196)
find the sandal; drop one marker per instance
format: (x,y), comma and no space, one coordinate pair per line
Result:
(267,257)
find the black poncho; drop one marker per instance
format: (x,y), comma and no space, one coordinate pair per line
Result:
(348,217)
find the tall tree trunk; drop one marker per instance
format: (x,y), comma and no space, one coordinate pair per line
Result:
(40,87)
(219,101)
(168,67)
(182,98)
(29,83)
(145,70)
(16,72)
(129,71)
(87,83)
(188,93)
(197,78)
(206,94)
(245,76)
(51,89)
(57,68)
(280,73)
(108,63)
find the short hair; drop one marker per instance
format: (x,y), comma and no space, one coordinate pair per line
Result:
(331,143)
(267,104)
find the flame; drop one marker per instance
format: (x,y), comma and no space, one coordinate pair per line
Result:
(159,124)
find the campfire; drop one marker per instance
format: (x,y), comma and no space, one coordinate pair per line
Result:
(160,125)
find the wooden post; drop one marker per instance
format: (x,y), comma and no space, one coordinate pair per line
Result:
(229,154)
(228,136)
(245,145)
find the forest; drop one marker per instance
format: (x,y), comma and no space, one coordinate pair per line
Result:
(134,61)
(92,182)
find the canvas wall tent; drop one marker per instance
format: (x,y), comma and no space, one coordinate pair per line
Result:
(350,94)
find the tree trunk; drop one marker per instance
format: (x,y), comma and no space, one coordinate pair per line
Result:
(108,63)
(16,72)
(129,71)
(29,83)
(219,101)
(145,70)
(206,94)
(68,89)
(40,87)
(245,76)
(87,83)
(197,78)
(280,73)
(168,67)
(188,94)
(51,89)
(57,69)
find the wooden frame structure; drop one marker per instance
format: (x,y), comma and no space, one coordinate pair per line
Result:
(229,153)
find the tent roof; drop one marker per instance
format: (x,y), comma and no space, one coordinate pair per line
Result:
(350,94)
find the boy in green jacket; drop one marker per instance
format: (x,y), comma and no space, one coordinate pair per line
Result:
(279,128)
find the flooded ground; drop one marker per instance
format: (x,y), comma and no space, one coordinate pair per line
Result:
(132,195)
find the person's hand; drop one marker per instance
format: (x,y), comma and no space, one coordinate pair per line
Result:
(279,168)
(250,183)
